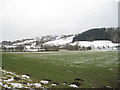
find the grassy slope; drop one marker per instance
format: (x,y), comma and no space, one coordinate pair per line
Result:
(91,66)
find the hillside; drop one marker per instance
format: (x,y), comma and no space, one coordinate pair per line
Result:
(110,34)
(63,40)
(43,40)
(98,34)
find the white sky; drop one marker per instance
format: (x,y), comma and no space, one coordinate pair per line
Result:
(31,18)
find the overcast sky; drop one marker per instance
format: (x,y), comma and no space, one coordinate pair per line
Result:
(34,18)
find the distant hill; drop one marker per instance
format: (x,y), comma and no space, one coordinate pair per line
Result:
(90,35)
(48,39)
(99,34)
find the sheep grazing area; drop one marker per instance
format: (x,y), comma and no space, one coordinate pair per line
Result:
(65,69)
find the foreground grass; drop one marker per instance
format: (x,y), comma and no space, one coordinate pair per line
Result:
(96,68)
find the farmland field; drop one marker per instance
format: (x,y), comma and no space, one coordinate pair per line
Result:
(95,68)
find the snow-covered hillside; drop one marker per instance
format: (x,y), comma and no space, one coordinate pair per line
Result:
(95,43)
(98,44)
(60,41)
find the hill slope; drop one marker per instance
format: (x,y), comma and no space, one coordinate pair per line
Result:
(98,34)
(66,39)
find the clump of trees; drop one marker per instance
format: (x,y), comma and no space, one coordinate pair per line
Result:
(70,47)
(76,47)
(51,48)
(19,48)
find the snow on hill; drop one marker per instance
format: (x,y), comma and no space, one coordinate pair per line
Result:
(82,43)
(25,42)
(104,44)
(95,43)
(60,41)
(43,40)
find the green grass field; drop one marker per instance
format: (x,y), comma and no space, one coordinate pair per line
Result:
(96,68)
